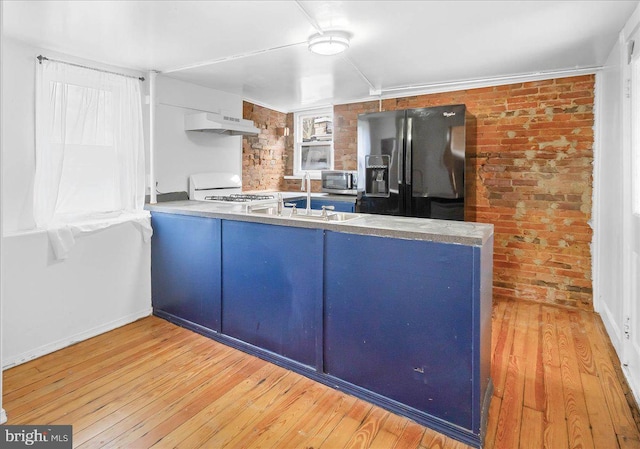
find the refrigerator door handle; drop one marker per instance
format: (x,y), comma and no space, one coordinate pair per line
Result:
(409,150)
(400,149)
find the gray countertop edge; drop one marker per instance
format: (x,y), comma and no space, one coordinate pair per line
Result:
(444,231)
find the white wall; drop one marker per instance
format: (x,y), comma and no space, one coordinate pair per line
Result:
(48,304)
(18,150)
(179,154)
(611,192)
(608,178)
(3,415)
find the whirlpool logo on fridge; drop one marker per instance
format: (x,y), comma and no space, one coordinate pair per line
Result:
(36,437)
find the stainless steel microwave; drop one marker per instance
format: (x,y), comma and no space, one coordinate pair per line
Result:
(344,182)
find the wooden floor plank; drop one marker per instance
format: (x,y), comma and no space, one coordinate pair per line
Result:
(604,434)
(614,392)
(368,429)
(554,424)
(497,318)
(492,421)
(550,351)
(188,378)
(389,433)
(317,417)
(510,416)
(72,363)
(531,433)
(178,411)
(598,328)
(84,387)
(628,443)
(436,440)
(251,406)
(534,375)
(410,436)
(231,424)
(275,425)
(581,344)
(153,383)
(578,424)
(65,357)
(149,410)
(347,426)
(502,351)
(329,421)
(555,421)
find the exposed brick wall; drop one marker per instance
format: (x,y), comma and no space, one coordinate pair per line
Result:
(264,157)
(268,157)
(529,172)
(294,185)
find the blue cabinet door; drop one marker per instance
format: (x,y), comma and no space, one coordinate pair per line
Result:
(398,321)
(185,268)
(272,288)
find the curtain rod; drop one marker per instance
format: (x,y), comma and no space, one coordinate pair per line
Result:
(40,58)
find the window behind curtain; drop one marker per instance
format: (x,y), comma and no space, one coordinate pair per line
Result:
(89,145)
(89,169)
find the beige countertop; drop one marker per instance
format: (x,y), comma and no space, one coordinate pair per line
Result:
(445,231)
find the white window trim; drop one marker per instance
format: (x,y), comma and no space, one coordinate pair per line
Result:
(297,118)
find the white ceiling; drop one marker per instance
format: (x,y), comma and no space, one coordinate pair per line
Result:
(257,49)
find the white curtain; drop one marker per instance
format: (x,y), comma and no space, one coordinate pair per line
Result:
(89,153)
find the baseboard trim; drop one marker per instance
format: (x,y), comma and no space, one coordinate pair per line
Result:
(3,416)
(63,343)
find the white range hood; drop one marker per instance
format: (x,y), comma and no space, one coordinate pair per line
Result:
(218,123)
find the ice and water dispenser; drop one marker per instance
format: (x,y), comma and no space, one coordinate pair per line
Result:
(377,175)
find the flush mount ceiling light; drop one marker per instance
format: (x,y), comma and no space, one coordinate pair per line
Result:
(329,43)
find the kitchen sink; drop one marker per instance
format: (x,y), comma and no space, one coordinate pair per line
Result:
(331,216)
(316,215)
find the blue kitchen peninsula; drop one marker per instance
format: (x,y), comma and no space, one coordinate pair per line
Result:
(394,310)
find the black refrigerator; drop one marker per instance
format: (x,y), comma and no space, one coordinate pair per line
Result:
(411,162)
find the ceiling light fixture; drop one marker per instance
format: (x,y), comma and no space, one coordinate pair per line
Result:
(329,43)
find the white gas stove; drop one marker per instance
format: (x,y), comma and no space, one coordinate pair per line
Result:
(223,187)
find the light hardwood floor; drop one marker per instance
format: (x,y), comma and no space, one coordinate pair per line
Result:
(153,384)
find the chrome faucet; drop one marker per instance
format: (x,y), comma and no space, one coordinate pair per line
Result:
(293,208)
(324,214)
(307,178)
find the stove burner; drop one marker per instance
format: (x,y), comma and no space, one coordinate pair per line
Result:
(239,197)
